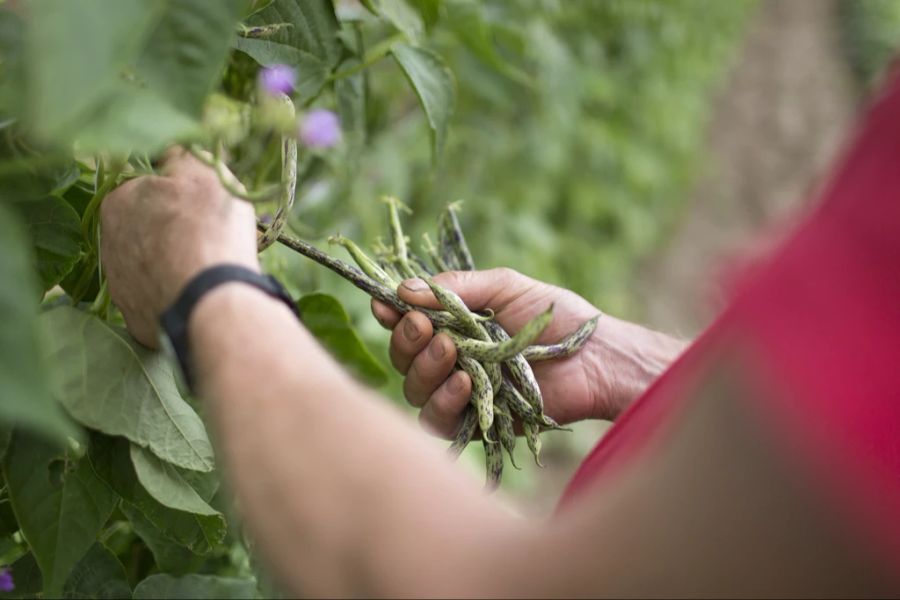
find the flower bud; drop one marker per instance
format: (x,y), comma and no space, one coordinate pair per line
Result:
(277,79)
(320,129)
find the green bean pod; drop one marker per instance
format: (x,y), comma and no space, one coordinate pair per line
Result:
(493,458)
(453,239)
(494,373)
(533,438)
(368,265)
(287,186)
(482,394)
(497,352)
(503,423)
(466,432)
(439,318)
(398,239)
(453,304)
(568,346)
(431,251)
(514,400)
(519,370)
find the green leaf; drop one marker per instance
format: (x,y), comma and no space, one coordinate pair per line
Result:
(165,587)
(98,575)
(60,503)
(25,398)
(429,10)
(167,483)
(170,557)
(139,77)
(350,93)
(404,17)
(55,234)
(434,85)
(465,19)
(110,383)
(310,44)
(199,533)
(327,320)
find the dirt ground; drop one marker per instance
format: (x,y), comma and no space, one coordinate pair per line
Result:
(779,119)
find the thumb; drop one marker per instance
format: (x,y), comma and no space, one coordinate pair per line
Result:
(493,288)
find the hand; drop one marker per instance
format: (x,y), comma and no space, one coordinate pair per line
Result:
(616,364)
(161,230)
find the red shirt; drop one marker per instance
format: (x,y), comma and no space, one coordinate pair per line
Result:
(819,320)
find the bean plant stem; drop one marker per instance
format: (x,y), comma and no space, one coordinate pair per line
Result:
(374,54)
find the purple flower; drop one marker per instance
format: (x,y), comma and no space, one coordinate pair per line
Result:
(320,129)
(6,580)
(277,79)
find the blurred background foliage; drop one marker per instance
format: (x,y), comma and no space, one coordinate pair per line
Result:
(578,132)
(576,129)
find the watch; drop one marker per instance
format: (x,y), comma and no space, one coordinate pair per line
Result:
(174,321)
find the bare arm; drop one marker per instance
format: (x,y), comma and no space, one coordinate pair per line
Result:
(346,497)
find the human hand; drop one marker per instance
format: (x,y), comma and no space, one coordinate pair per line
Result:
(572,388)
(161,230)
(616,364)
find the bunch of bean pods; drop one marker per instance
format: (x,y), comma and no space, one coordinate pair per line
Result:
(504,387)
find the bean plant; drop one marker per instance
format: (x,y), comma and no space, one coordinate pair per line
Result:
(110,486)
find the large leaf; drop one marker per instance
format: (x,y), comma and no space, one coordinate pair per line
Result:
(110,383)
(327,320)
(310,44)
(167,483)
(25,399)
(171,557)
(167,587)
(55,234)
(403,16)
(141,72)
(199,533)
(60,503)
(98,575)
(434,85)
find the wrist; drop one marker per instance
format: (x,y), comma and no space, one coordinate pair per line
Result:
(627,359)
(219,281)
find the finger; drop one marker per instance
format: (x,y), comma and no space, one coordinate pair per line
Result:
(429,370)
(386,316)
(409,338)
(179,163)
(442,413)
(174,160)
(494,288)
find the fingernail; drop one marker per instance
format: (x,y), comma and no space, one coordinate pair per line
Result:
(415,285)
(455,384)
(436,349)
(410,331)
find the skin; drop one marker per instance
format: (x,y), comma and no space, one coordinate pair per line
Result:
(618,362)
(345,497)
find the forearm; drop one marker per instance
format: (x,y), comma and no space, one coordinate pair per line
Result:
(639,354)
(342,493)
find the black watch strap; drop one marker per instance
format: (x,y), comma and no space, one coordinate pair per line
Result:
(174,320)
